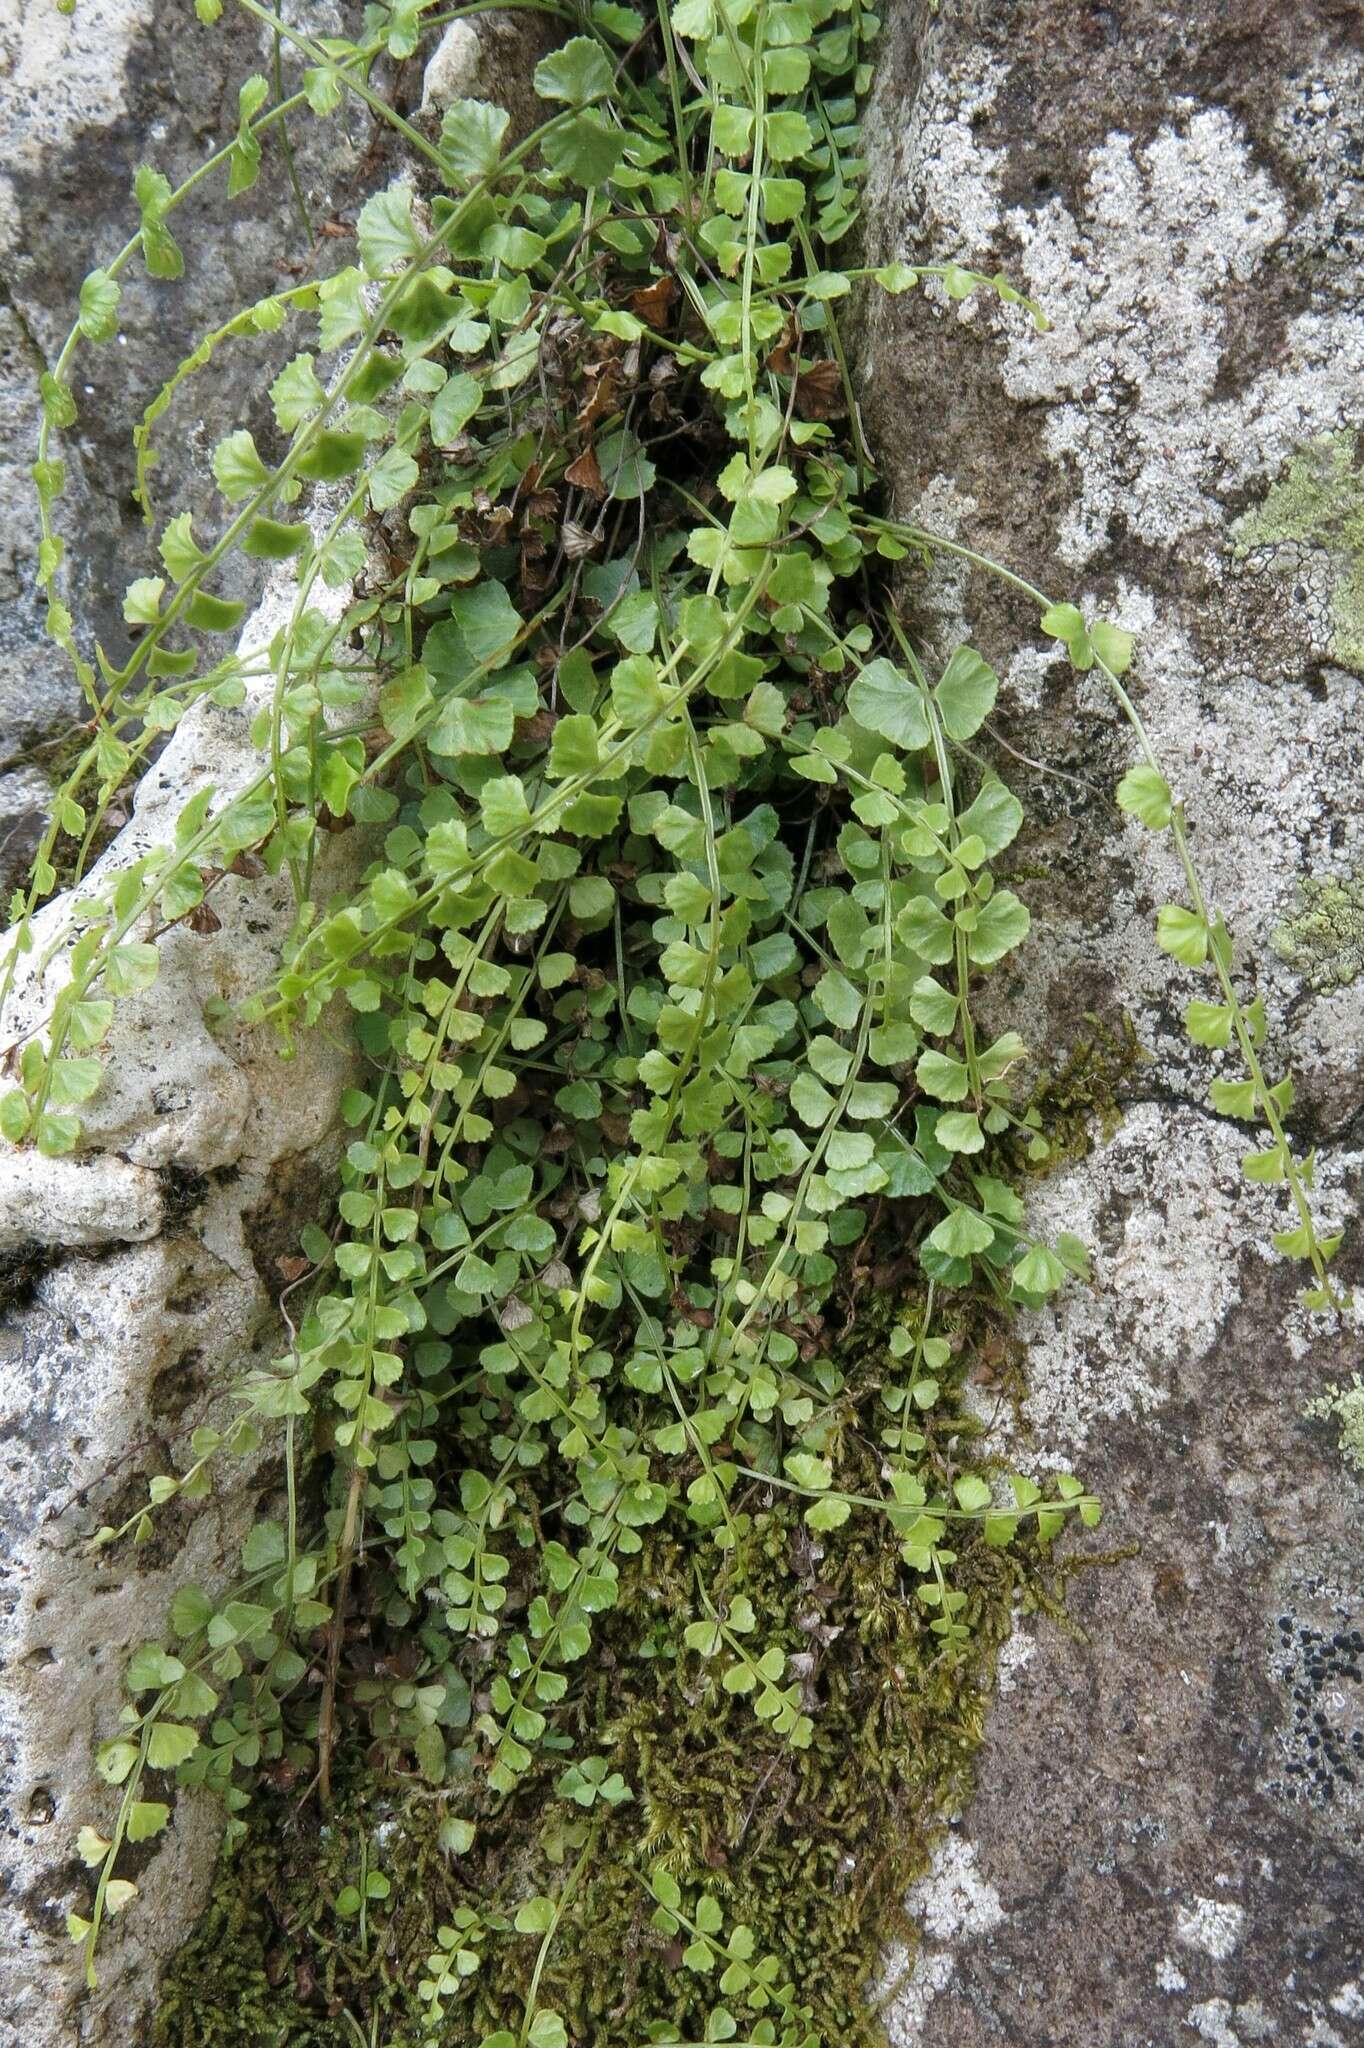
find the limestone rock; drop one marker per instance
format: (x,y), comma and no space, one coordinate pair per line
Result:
(494,61)
(139,1279)
(452,70)
(97,1200)
(142,1288)
(85,97)
(1169,1813)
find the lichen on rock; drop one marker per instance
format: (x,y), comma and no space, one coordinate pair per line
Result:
(1182,199)
(1324,939)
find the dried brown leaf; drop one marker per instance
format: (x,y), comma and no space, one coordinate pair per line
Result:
(819,392)
(578,541)
(584,473)
(653,302)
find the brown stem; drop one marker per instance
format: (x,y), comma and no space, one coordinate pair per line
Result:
(326,1720)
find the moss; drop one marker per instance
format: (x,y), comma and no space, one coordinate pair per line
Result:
(813,1849)
(1319,503)
(1081,1101)
(272,1964)
(1325,940)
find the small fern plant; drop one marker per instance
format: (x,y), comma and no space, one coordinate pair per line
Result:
(681,885)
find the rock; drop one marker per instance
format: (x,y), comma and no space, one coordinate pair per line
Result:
(108,1361)
(142,1289)
(1168,1818)
(139,1280)
(949,1905)
(495,61)
(86,97)
(452,72)
(71,1202)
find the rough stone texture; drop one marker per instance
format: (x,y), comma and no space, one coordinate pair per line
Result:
(143,1287)
(493,60)
(84,99)
(98,1200)
(1166,1841)
(138,1280)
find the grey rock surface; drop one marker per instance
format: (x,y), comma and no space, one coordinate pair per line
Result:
(139,1279)
(1166,1842)
(84,99)
(143,1288)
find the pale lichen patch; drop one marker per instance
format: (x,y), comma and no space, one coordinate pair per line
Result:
(1324,941)
(1134,293)
(1113,1351)
(1214,1925)
(1349,2001)
(1211,2020)
(952,1903)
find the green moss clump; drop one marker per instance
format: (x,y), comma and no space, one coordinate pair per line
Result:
(1324,942)
(272,1964)
(813,1848)
(1081,1101)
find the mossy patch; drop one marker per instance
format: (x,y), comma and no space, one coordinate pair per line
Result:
(1082,1100)
(1319,503)
(813,1849)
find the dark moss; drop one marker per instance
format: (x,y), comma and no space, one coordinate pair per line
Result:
(1081,1102)
(814,1849)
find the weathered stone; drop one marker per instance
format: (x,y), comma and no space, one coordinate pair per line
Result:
(452,69)
(139,1281)
(1167,1828)
(85,98)
(99,1200)
(494,61)
(204,1154)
